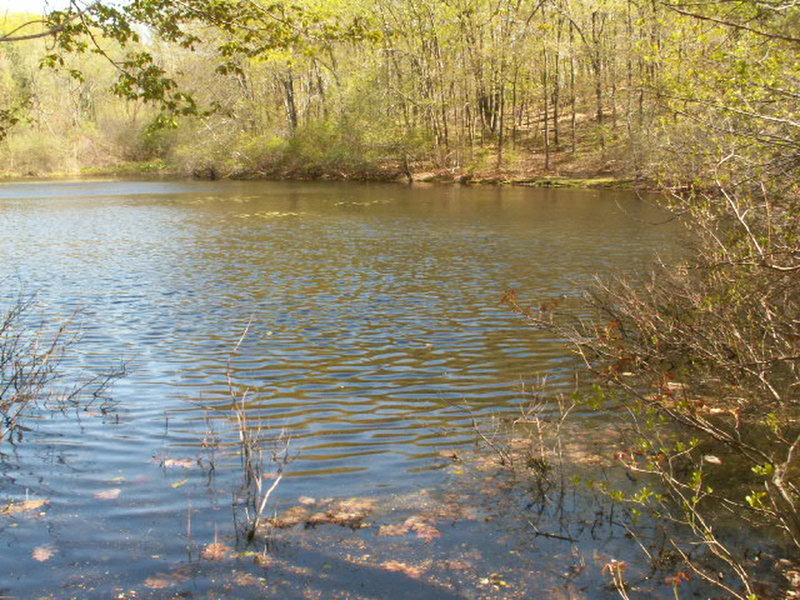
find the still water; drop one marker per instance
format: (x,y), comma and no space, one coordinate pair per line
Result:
(371,331)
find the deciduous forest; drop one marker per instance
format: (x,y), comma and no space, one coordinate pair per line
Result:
(464,88)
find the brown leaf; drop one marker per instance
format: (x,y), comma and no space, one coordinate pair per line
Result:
(347,513)
(215,551)
(319,518)
(357,505)
(262,559)
(15,508)
(354,520)
(423,528)
(457,564)
(160,582)
(400,567)
(108,494)
(350,512)
(393,530)
(185,463)
(290,517)
(43,553)
(459,509)
(246,579)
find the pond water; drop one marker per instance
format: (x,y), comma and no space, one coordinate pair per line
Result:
(372,331)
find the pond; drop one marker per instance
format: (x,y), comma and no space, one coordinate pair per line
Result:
(363,320)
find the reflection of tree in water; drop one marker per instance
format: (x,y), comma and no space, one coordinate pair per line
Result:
(487,534)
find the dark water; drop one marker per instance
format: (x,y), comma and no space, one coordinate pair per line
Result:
(376,335)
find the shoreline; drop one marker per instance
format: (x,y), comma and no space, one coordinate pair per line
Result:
(566,178)
(134,171)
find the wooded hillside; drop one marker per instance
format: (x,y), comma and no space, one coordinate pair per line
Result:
(467,88)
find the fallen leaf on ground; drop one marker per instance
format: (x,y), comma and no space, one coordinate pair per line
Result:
(108,494)
(185,463)
(262,559)
(180,483)
(318,518)
(423,528)
(393,530)
(457,564)
(359,505)
(290,517)
(457,510)
(215,551)
(399,567)
(163,581)
(15,508)
(43,553)
(246,579)
(349,513)
(346,513)
(160,582)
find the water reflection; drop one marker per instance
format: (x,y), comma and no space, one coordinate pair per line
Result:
(376,330)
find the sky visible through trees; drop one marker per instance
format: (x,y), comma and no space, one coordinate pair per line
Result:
(31,6)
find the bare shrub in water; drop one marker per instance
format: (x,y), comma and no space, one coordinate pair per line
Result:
(261,472)
(531,447)
(705,357)
(258,467)
(31,357)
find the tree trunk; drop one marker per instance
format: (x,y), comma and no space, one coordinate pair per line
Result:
(289,99)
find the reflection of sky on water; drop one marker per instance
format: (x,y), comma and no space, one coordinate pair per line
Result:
(376,334)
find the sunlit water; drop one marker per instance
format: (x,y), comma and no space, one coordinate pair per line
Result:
(371,330)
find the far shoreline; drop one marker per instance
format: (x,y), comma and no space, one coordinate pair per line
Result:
(133,171)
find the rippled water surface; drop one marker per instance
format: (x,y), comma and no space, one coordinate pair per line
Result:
(374,336)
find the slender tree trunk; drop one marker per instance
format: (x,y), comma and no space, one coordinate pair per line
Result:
(572,93)
(289,99)
(514,112)
(612,73)
(557,83)
(546,119)
(597,66)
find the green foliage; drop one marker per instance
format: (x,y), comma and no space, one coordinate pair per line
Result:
(35,153)
(469,87)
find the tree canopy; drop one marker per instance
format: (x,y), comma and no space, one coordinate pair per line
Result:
(616,86)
